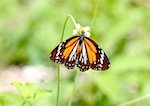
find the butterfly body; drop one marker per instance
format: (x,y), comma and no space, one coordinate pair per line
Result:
(81,51)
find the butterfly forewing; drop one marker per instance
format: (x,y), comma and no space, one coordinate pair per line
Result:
(57,54)
(99,60)
(71,60)
(62,52)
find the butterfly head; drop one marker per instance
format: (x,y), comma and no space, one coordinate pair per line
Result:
(80,30)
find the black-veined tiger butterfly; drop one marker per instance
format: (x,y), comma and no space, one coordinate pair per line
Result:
(81,51)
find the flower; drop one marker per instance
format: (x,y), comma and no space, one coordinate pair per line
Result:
(80,29)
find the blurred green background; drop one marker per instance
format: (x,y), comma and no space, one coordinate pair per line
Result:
(31,29)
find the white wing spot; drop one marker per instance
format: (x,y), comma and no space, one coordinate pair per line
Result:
(58,51)
(100,65)
(56,60)
(102,57)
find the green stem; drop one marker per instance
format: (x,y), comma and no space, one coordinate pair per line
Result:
(58,72)
(74,87)
(58,85)
(74,22)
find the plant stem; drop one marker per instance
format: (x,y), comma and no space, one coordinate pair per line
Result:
(58,85)
(58,69)
(74,87)
(74,22)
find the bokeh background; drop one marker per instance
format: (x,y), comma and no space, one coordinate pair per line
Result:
(31,29)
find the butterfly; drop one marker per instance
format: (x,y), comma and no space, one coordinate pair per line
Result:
(80,51)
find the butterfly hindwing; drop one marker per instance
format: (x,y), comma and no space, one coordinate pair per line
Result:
(83,61)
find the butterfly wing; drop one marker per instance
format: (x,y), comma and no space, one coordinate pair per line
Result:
(61,54)
(96,56)
(86,55)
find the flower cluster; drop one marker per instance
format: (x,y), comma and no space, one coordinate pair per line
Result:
(80,29)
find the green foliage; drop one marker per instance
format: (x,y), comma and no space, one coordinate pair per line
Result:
(29,91)
(28,95)
(30,29)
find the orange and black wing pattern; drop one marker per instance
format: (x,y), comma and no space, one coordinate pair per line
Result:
(84,53)
(61,54)
(96,56)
